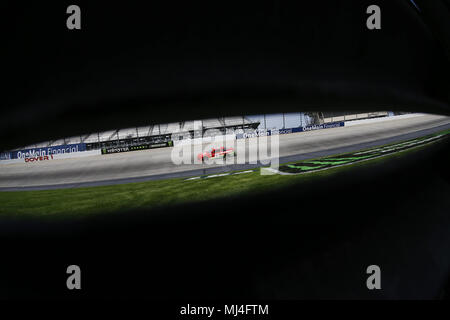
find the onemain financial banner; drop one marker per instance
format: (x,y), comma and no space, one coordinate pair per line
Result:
(323,126)
(264,132)
(39,152)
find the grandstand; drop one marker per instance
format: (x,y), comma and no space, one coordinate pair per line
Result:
(153,134)
(326,117)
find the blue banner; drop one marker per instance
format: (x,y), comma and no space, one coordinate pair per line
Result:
(264,132)
(36,152)
(5,156)
(324,126)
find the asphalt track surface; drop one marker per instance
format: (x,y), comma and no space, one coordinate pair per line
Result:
(145,165)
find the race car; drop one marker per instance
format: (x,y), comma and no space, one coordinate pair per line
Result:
(214,153)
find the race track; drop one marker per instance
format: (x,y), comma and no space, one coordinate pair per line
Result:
(157,164)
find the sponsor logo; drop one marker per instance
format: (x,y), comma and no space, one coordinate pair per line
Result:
(39,158)
(323,126)
(137,147)
(257,133)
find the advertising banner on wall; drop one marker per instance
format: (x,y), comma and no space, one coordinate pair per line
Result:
(137,147)
(47,151)
(324,126)
(265,132)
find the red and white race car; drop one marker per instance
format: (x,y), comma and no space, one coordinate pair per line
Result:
(214,153)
